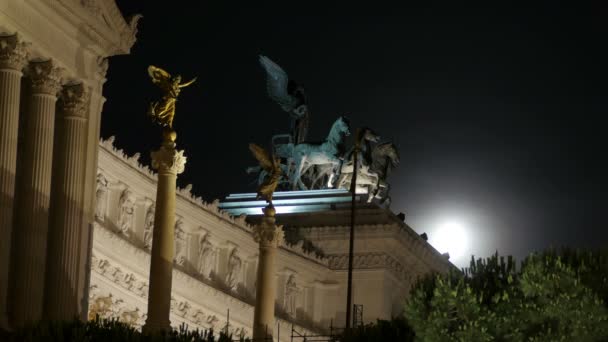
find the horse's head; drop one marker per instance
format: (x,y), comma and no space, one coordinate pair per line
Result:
(342,125)
(389,151)
(369,135)
(393,155)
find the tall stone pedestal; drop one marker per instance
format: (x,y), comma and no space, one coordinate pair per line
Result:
(169,162)
(269,236)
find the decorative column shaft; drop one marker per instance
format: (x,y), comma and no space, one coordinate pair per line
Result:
(269,236)
(169,162)
(63,256)
(13,56)
(33,195)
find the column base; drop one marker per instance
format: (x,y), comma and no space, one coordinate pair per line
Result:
(155,327)
(4,323)
(262,332)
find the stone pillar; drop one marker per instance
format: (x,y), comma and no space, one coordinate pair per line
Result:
(33,195)
(13,56)
(65,231)
(169,162)
(269,236)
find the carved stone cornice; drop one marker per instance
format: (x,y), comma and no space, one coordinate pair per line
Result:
(186,194)
(73,100)
(168,160)
(102,23)
(372,260)
(45,77)
(13,52)
(267,233)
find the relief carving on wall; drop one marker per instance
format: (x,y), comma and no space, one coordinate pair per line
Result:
(206,256)
(108,307)
(291,293)
(234,270)
(101,197)
(180,243)
(126,213)
(149,226)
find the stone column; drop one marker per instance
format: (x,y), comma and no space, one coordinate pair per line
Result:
(169,162)
(269,236)
(13,56)
(64,242)
(33,195)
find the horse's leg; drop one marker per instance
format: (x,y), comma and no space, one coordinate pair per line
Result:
(317,177)
(330,181)
(370,193)
(296,182)
(296,174)
(304,167)
(344,178)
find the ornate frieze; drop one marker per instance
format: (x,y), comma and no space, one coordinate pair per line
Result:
(184,193)
(13,52)
(45,77)
(109,305)
(374,260)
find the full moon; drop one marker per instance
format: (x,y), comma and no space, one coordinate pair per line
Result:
(450,237)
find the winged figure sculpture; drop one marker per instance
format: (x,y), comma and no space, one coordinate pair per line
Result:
(272,166)
(163,111)
(289,95)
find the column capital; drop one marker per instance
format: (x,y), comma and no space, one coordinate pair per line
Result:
(73,100)
(45,77)
(168,160)
(13,52)
(267,233)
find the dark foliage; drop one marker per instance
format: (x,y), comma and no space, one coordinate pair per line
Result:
(396,329)
(558,295)
(106,330)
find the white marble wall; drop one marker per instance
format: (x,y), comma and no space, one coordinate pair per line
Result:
(217,259)
(216,256)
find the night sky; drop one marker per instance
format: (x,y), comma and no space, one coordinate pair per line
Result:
(498,112)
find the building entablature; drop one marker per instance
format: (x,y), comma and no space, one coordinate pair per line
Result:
(77,35)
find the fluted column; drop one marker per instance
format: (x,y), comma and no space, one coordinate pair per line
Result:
(13,56)
(169,162)
(33,194)
(269,236)
(63,256)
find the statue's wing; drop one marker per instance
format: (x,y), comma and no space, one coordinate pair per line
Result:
(184,85)
(159,76)
(262,156)
(276,84)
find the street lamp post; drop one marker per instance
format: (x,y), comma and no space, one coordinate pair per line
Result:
(351,245)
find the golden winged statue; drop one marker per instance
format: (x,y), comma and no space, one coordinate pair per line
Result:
(163,111)
(272,166)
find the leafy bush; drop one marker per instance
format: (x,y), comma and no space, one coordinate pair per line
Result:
(396,329)
(555,296)
(106,330)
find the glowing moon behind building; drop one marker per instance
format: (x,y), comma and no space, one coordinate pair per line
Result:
(451,237)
